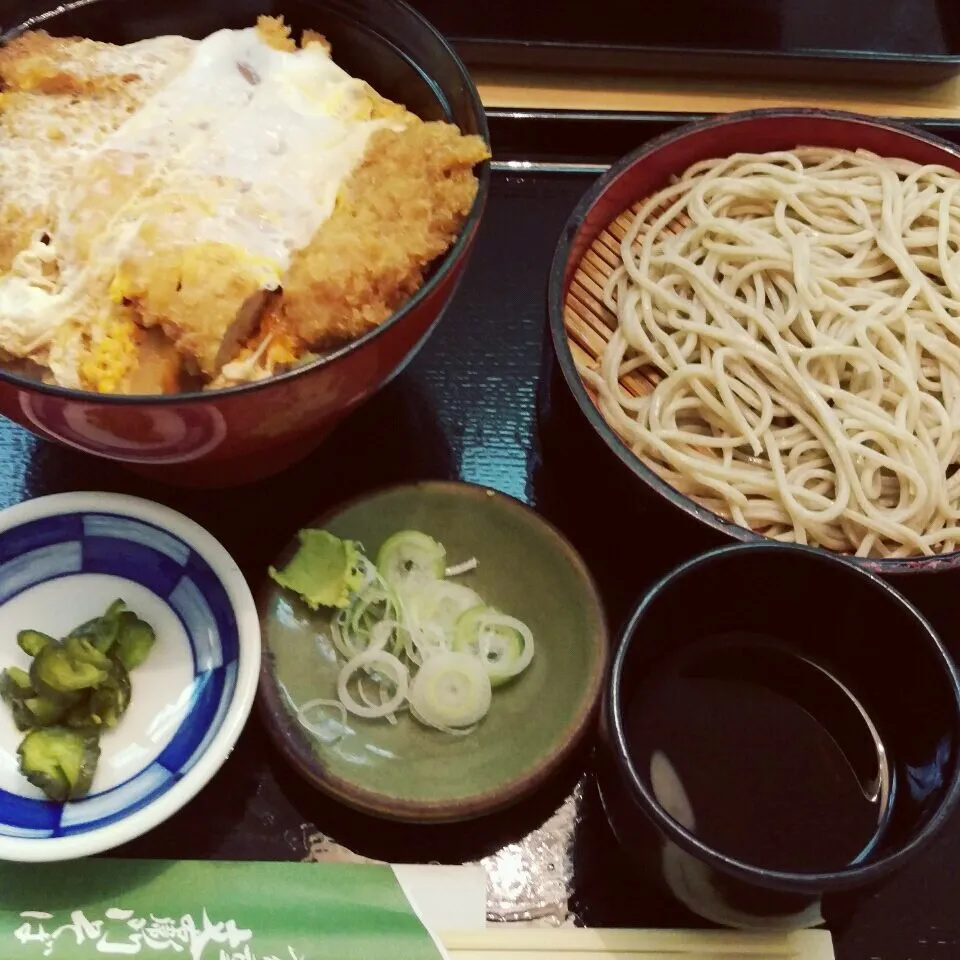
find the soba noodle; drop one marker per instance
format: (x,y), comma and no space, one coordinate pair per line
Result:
(799,313)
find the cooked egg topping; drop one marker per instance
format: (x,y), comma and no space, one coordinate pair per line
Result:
(205,172)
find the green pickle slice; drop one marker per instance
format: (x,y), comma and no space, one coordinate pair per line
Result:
(60,761)
(75,689)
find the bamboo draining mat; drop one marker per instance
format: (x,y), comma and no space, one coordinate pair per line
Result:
(503,943)
(588,321)
(534,90)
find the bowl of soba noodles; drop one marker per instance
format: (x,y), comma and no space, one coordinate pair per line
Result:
(759,314)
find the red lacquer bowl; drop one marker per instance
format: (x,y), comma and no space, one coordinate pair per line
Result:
(229,437)
(640,175)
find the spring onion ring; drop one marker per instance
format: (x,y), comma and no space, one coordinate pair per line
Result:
(364,661)
(409,637)
(433,609)
(451,690)
(314,727)
(410,556)
(504,645)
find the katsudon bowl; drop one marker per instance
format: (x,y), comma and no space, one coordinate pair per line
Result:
(238,434)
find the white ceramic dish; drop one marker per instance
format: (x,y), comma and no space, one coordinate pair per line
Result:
(63,559)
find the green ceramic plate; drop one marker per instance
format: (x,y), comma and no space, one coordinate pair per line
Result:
(410,772)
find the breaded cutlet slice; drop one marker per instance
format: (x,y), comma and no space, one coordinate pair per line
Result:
(396,212)
(199,264)
(403,207)
(59,100)
(39,63)
(207,296)
(114,354)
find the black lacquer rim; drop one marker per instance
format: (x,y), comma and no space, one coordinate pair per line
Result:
(858,875)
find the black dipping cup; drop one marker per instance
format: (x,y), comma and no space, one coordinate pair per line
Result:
(871,639)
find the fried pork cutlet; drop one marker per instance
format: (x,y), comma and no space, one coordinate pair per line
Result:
(59,100)
(223,207)
(399,211)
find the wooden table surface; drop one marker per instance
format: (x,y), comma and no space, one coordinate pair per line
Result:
(587,91)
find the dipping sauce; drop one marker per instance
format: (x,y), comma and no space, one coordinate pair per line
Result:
(762,754)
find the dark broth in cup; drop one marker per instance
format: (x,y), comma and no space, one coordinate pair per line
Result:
(762,754)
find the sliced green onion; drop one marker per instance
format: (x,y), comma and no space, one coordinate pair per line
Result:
(436,606)
(365,570)
(450,690)
(365,610)
(320,728)
(468,566)
(381,634)
(365,661)
(344,648)
(365,697)
(411,556)
(411,637)
(504,645)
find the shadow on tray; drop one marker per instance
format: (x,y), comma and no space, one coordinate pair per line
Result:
(394,438)
(627,537)
(450,843)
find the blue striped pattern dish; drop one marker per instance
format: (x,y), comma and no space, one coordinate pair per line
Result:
(62,559)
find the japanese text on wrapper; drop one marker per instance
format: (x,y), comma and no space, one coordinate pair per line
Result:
(122,933)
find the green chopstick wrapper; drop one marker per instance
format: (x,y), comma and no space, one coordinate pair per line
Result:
(191,910)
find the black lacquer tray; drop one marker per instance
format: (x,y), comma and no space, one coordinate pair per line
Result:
(481,403)
(877,41)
